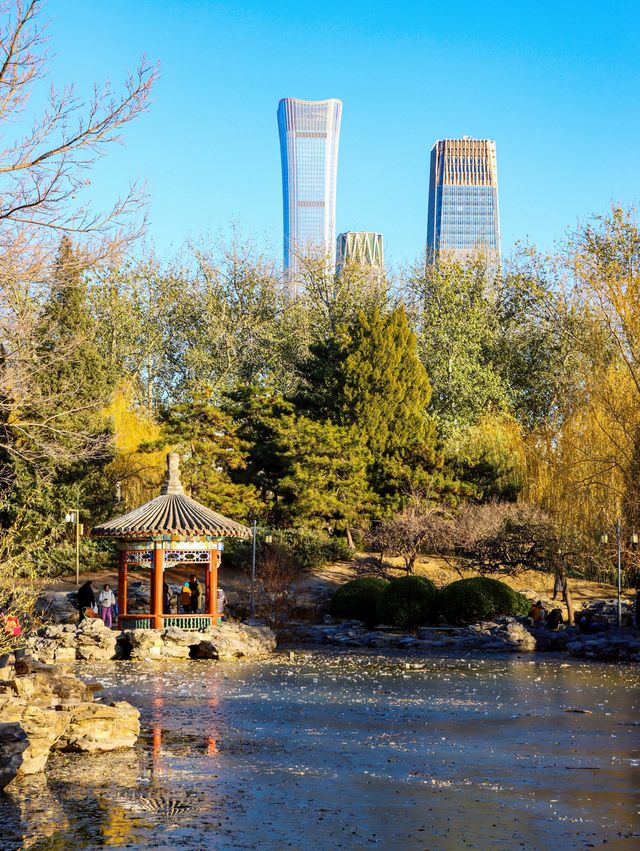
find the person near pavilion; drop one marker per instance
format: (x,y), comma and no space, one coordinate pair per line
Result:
(86,598)
(106,602)
(185,598)
(194,587)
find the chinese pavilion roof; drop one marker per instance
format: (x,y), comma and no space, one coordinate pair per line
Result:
(171,513)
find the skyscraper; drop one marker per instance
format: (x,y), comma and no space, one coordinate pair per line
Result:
(463,199)
(362,247)
(309,138)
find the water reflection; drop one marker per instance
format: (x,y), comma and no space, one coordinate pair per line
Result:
(364,751)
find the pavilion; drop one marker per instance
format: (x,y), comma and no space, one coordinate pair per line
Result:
(171,530)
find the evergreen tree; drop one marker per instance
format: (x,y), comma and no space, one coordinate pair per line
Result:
(212,452)
(325,484)
(368,375)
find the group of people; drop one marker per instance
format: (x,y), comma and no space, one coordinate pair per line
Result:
(189,598)
(104,605)
(540,617)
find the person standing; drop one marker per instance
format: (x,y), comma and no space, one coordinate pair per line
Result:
(185,598)
(106,601)
(166,598)
(194,587)
(222,602)
(86,598)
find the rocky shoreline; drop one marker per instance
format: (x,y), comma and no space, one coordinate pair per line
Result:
(44,708)
(92,641)
(504,635)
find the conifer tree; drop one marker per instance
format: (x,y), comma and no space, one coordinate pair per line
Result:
(212,451)
(325,485)
(368,375)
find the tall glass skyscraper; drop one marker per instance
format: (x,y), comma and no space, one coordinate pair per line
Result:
(463,200)
(309,138)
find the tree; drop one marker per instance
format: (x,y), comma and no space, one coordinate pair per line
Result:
(325,481)
(455,313)
(368,376)
(211,450)
(418,528)
(44,171)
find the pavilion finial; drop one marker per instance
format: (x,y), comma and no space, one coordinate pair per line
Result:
(172,483)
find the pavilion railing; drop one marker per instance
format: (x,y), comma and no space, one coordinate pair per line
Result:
(188,622)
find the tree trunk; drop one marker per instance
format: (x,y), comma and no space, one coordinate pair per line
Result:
(566,596)
(350,543)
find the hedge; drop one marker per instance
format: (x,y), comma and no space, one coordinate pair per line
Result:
(471,600)
(359,599)
(408,602)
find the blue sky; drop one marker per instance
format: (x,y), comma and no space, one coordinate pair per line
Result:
(554,83)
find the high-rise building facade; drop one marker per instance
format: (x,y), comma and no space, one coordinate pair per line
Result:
(463,213)
(362,247)
(309,138)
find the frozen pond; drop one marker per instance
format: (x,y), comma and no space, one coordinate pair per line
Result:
(351,751)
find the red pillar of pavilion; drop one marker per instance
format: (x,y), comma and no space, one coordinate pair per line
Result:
(157,580)
(212,582)
(122,584)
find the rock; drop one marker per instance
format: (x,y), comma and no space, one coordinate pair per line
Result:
(176,643)
(43,727)
(518,637)
(144,643)
(95,727)
(234,641)
(55,711)
(58,607)
(138,597)
(95,642)
(13,743)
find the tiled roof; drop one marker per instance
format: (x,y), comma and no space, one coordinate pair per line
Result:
(171,513)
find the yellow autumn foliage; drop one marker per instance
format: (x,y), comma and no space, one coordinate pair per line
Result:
(138,469)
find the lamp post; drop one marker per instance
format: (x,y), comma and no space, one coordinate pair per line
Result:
(252,598)
(604,539)
(73,516)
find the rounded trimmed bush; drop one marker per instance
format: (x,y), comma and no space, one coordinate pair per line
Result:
(359,599)
(479,599)
(408,602)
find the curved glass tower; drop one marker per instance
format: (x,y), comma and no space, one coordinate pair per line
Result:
(309,138)
(463,199)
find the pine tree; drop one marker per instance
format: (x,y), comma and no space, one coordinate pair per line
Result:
(326,484)
(212,452)
(368,376)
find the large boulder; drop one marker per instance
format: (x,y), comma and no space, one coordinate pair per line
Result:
(43,727)
(143,643)
(518,637)
(58,607)
(13,743)
(55,711)
(234,641)
(95,642)
(176,643)
(96,727)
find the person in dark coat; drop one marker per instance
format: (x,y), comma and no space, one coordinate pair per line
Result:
(166,598)
(86,598)
(194,587)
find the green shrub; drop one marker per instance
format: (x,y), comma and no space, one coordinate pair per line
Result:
(359,599)
(408,602)
(472,600)
(308,548)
